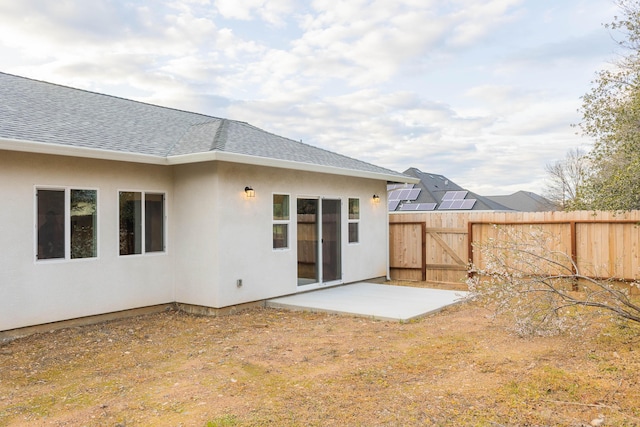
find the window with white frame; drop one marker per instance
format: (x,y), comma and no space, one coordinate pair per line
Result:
(141,215)
(66,220)
(354,220)
(280,221)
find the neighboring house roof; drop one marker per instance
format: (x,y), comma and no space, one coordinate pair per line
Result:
(437,192)
(42,117)
(525,201)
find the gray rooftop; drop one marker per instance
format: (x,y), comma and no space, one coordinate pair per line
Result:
(42,112)
(433,188)
(525,201)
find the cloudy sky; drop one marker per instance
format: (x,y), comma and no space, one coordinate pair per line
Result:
(482,91)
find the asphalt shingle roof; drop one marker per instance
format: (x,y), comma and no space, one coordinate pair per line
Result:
(525,201)
(435,186)
(37,111)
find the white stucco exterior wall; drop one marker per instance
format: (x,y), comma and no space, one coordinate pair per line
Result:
(241,230)
(35,292)
(214,236)
(195,201)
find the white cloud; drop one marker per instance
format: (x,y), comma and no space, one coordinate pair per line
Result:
(480,91)
(472,21)
(273,12)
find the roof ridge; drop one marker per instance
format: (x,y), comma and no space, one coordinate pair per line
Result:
(220,140)
(178,141)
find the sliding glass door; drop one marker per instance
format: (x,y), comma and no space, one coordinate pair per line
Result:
(308,256)
(319,240)
(331,244)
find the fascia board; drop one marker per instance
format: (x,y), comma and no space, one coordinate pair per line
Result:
(84,152)
(94,153)
(285,164)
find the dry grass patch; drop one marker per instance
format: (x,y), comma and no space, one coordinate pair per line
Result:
(271,367)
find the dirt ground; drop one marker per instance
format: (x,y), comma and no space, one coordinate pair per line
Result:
(271,367)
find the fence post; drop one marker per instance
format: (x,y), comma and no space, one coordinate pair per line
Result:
(574,252)
(424,250)
(470,247)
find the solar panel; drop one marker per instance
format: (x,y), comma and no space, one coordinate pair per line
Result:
(404,194)
(418,207)
(446,204)
(394,195)
(468,204)
(464,204)
(393,204)
(413,194)
(454,195)
(409,207)
(426,206)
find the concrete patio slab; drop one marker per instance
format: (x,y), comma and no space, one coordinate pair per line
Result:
(384,302)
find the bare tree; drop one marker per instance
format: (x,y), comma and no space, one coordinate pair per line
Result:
(524,273)
(565,178)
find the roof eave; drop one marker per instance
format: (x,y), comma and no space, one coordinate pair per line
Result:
(95,153)
(84,152)
(286,164)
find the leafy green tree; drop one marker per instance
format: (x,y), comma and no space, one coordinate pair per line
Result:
(611,116)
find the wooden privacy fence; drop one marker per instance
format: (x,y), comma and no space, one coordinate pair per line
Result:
(439,247)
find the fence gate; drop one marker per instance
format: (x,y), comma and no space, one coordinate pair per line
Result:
(417,252)
(407,252)
(446,254)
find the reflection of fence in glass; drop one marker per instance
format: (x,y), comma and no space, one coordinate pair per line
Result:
(280,236)
(307,246)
